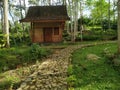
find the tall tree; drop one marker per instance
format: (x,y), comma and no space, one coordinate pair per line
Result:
(1,11)
(6,23)
(81,19)
(118,6)
(75,19)
(98,12)
(49,2)
(114,10)
(109,27)
(34,2)
(24,4)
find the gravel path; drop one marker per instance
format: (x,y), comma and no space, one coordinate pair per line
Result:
(52,73)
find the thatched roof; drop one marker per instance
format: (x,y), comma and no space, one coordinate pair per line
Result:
(43,13)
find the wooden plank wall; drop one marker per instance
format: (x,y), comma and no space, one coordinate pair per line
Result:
(39,33)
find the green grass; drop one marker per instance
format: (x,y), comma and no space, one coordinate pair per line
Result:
(18,58)
(9,57)
(93,75)
(12,58)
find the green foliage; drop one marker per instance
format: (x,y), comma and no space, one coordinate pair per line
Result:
(2,40)
(35,52)
(17,57)
(70,70)
(105,24)
(71,80)
(19,36)
(85,21)
(113,59)
(8,60)
(13,58)
(99,11)
(9,82)
(97,75)
(92,35)
(66,36)
(5,85)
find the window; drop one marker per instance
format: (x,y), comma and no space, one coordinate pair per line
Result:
(56,30)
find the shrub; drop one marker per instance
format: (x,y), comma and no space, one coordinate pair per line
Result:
(88,37)
(93,35)
(2,40)
(113,59)
(34,52)
(15,57)
(66,36)
(96,28)
(71,80)
(70,70)
(9,82)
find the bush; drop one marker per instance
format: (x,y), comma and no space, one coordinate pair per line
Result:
(16,57)
(113,59)
(71,80)
(34,52)
(96,28)
(66,36)
(70,70)
(98,35)
(2,40)
(9,82)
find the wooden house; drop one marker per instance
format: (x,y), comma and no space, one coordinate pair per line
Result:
(47,22)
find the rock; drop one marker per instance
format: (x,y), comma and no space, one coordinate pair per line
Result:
(29,79)
(23,85)
(92,57)
(32,87)
(27,88)
(116,62)
(39,85)
(19,89)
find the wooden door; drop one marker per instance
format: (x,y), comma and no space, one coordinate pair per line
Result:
(48,34)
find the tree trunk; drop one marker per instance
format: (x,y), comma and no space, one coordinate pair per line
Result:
(75,19)
(24,6)
(49,2)
(101,15)
(64,2)
(81,19)
(118,5)
(21,9)
(72,28)
(6,24)
(109,16)
(114,9)
(2,19)
(22,17)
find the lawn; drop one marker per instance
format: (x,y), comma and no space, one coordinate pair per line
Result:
(90,70)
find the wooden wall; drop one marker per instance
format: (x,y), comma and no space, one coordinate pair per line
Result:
(57,38)
(37,31)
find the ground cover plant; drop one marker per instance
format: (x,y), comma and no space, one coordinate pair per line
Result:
(14,57)
(93,35)
(90,70)
(20,58)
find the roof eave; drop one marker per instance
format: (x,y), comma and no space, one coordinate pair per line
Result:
(44,20)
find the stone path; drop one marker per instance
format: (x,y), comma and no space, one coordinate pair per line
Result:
(52,73)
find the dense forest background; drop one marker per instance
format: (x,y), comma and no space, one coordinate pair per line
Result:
(89,20)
